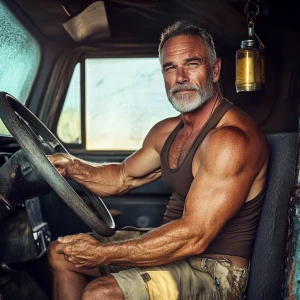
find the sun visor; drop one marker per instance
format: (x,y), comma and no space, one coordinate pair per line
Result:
(91,23)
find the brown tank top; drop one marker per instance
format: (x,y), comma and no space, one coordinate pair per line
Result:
(237,236)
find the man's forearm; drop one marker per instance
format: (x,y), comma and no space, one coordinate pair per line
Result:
(102,179)
(168,243)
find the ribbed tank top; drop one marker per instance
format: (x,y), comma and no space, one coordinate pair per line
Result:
(237,236)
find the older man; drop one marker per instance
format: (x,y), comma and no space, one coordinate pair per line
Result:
(214,159)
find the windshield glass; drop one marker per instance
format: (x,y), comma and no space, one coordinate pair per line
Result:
(19,58)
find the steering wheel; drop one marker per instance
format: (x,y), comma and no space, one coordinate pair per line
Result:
(36,141)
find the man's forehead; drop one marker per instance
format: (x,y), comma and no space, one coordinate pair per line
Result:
(186,45)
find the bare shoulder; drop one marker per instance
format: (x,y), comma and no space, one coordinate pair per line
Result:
(236,140)
(240,128)
(160,132)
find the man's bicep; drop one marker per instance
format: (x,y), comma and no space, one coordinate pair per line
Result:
(142,167)
(222,183)
(211,204)
(212,198)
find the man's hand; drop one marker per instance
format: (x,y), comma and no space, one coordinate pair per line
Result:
(81,250)
(63,163)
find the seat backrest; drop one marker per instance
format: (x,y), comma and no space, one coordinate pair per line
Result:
(266,270)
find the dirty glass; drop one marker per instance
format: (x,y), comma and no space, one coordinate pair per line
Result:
(19,58)
(125,97)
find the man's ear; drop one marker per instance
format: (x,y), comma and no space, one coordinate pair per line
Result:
(216,70)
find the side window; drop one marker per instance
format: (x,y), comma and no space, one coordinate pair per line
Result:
(124,98)
(69,124)
(20,57)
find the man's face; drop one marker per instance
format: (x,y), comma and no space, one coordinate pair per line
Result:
(187,72)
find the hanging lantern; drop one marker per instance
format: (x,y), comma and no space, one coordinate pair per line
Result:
(250,63)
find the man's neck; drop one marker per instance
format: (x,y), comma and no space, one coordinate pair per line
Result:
(197,118)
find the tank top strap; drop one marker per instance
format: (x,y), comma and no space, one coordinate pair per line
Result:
(211,123)
(217,115)
(168,142)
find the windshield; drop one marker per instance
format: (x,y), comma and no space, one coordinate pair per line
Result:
(19,58)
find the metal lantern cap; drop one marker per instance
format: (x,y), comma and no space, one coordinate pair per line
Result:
(250,43)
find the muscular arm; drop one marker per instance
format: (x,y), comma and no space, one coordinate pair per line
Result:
(108,179)
(230,162)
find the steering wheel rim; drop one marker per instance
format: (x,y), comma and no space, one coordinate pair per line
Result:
(13,114)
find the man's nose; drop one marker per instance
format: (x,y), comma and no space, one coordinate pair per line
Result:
(182,75)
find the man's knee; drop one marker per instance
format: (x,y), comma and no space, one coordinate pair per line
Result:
(103,288)
(56,260)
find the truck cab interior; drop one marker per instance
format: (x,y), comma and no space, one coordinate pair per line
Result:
(83,77)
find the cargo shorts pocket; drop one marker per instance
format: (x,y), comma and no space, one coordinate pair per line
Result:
(234,282)
(239,281)
(209,283)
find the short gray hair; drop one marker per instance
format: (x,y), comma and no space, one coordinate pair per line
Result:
(188,28)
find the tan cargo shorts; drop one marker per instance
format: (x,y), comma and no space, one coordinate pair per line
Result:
(193,278)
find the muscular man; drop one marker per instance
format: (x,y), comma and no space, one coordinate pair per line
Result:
(214,159)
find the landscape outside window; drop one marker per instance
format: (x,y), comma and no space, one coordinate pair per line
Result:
(69,124)
(125,97)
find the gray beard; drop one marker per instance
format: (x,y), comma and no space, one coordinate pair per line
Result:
(183,104)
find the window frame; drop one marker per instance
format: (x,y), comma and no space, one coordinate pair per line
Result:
(80,148)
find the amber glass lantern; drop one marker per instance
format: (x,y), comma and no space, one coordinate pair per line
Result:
(250,66)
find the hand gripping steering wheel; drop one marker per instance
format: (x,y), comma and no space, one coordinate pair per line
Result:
(36,141)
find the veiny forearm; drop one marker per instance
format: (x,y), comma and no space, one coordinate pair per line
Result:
(108,179)
(168,243)
(102,179)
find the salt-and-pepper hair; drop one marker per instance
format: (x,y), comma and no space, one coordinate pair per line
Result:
(188,28)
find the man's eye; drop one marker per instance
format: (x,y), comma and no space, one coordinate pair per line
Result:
(170,68)
(192,65)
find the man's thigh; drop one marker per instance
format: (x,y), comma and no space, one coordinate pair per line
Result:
(176,280)
(193,278)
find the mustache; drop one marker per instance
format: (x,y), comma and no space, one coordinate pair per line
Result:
(184,86)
